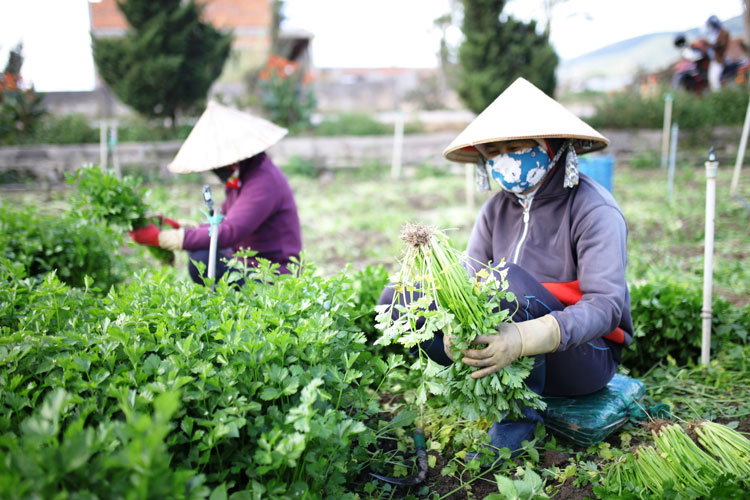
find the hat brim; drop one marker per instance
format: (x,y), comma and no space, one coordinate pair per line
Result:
(223,136)
(523,111)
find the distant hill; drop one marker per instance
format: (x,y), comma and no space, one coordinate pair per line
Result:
(613,66)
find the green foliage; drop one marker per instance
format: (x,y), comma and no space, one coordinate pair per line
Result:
(529,487)
(298,166)
(167,60)
(352,123)
(497,50)
(65,129)
(667,322)
(69,245)
(631,110)
(20,106)
(102,197)
(285,96)
(164,389)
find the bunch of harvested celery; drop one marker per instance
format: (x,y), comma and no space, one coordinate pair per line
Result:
(431,274)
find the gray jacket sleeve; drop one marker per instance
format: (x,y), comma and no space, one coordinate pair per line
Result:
(600,242)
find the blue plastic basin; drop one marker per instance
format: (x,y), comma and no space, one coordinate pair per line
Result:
(601,168)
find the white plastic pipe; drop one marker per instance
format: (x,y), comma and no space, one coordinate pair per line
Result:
(213,248)
(740,153)
(665,131)
(672,160)
(398,145)
(712,167)
(469,175)
(103,145)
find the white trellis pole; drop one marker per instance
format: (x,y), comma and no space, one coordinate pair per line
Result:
(398,145)
(469,174)
(712,167)
(668,98)
(672,160)
(740,154)
(103,127)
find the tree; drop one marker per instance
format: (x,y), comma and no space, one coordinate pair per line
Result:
(20,106)
(496,50)
(167,60)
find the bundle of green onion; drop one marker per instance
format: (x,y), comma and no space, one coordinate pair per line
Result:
(678,465)
(432,285)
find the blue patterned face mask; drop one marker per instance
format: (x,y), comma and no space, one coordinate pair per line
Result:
(521,170)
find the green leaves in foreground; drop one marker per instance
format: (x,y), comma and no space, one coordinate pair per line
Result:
(163,389)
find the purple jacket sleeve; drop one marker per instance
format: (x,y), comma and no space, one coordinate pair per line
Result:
(256,202)
(600,246)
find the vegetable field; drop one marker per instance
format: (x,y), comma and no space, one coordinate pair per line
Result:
(119,378)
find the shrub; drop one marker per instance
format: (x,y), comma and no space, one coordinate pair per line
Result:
(667,322)
(164,389)
(67,129)
(631,110)
(70,246)
(357,123)
(285,96)
(302,167)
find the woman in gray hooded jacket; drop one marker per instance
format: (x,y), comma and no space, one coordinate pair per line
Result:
(563,239)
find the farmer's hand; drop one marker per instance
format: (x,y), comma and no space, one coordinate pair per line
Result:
(147,235)
(447,346)
(166,220)
(188,224)
(513,340)
(169,239)
(172,239)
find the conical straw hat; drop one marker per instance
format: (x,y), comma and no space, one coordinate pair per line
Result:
(223,136)
(522,111)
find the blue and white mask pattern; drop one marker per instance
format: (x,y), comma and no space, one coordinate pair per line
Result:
(521,170)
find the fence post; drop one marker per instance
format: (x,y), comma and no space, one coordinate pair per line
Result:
(740,153)
(672,160)
(712,167)
(470,185)
(103,127)
(668,98)
(398,145)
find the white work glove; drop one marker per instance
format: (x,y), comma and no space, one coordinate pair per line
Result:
(512,340)
(188,224)
(171,239)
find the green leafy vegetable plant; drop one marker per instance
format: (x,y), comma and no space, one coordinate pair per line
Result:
(162,389)
(431,272)
(118,203)
(67,244)
(667,322)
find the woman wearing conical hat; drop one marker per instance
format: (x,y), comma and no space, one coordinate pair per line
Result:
(259,211)
(563,237)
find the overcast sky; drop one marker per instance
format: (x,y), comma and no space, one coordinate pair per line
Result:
(359,33)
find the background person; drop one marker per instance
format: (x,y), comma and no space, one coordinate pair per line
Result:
(259,211)
(718,39)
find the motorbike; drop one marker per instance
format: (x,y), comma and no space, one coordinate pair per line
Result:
(691,71)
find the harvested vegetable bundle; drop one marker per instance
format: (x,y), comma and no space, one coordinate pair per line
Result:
(119,203)
(464,307)
(693,467)
(729,446)
(678,465)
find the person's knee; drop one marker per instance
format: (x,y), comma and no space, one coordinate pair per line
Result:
(197,256)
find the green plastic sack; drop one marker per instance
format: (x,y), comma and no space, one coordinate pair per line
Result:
(589,419)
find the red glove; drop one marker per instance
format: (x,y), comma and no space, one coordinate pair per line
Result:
(148,235)
(167,220)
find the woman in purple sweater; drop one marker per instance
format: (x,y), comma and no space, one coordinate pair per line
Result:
(259,210)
